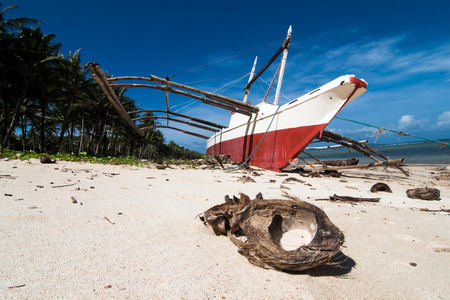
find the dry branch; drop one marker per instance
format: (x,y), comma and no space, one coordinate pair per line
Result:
(352,199)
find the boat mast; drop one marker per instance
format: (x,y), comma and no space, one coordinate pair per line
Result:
(283,66)
(252,73)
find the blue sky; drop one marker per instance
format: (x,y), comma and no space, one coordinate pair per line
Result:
(401,48)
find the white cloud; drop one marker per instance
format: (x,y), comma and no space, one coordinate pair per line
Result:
(443,120)
(410,122)
(386,59)
(406,121)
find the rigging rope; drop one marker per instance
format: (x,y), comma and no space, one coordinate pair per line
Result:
(230,84)
(354,132)
(268,127)
(225,59)
(269,85)
(401,133)
(305,61)
(216,78)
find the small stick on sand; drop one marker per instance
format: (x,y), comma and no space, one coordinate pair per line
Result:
(106,218)
(16,286)
(58,186)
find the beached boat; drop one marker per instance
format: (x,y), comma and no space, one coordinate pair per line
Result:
(274,135)
(265,135)
(277,134)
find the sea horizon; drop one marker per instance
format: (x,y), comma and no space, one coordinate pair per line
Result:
(415,152)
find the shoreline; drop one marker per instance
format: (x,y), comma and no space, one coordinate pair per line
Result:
(134,233)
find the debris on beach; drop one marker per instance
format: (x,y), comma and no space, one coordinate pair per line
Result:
(379,160)
(287,235)
(47,160)
(245,179)
(441,249)
(345,162)
(446,210)
(336,198)
(161,166)
(424,193)
(289,179)
(227,216)
(380,187)
(107,219)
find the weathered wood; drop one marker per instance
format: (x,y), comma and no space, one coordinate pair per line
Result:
(424,193)
(365,166)
(344,162)
(100,78)
(224,99)
(315,158)
(331,147)
(330,137)
(181,115)
(179,121)
(310,164)
(358,146)
(352,199)
(178,129)
(167,104)
(183,93)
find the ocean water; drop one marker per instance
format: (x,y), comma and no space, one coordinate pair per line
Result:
(413,153)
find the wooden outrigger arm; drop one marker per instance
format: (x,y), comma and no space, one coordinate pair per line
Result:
(108,84)
(100,78)
(178,129)
(361,147)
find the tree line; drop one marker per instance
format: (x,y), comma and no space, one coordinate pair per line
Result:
(49,104)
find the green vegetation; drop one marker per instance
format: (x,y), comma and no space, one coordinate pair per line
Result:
(84,157)
(49,104)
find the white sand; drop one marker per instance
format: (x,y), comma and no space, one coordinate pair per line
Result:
(295,238)
(133,233)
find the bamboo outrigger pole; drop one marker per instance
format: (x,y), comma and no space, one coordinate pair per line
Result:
(100,78)
(361,147)
(107,85)
(227,102)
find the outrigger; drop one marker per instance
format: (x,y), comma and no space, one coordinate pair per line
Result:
(266,135)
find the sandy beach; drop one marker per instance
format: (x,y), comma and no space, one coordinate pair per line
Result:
(89,231)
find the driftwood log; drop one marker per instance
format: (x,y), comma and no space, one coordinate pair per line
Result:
(424,193)
(346,162)
(288,235)
(352,199)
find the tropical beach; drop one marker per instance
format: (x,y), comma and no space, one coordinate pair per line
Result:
(156,153)
(81,230)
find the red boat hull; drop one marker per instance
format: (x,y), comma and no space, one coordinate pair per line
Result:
(276,149)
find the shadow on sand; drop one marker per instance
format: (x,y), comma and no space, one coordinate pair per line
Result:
(339,265)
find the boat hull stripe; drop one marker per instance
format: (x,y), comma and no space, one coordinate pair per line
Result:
(274,152)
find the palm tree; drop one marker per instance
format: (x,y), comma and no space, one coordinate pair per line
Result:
(8,29)
(8,25)
(73,87)
(27,66)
